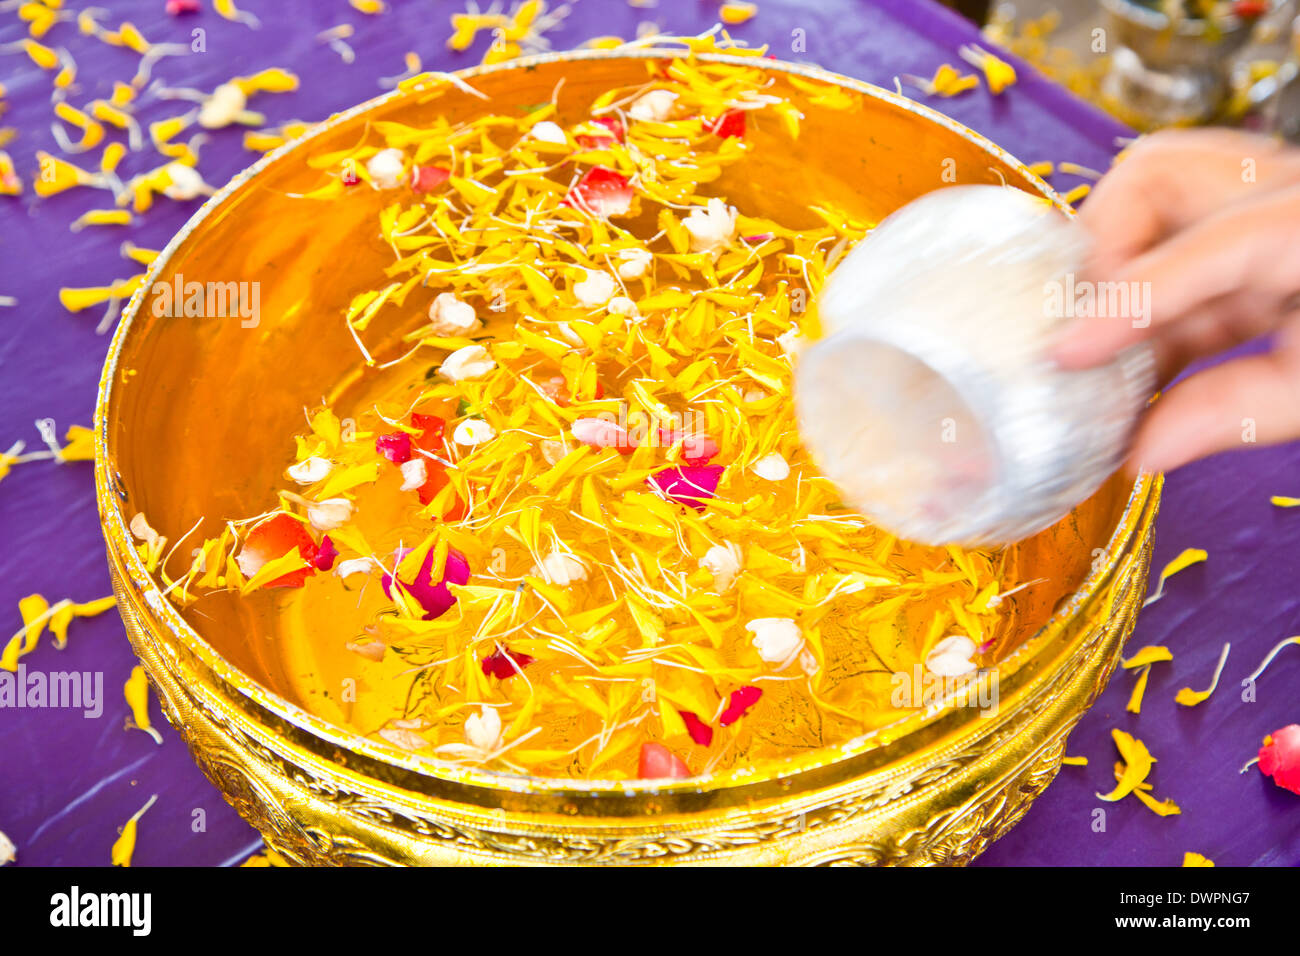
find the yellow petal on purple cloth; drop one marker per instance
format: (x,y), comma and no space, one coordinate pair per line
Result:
(1190,698)
(80,444)
(1185,560)
(267,858)
(124,845)
(1139,689)
(35,612)
(1259,671)
(136,691)
(1164,808)
(62,614)
(1137,764)
(1148,655)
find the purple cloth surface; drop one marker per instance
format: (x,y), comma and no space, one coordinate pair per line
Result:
(67,783)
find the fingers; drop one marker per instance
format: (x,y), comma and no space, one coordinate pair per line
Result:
(1251,400)
(1244,254)
(1172,179)
(1208,331)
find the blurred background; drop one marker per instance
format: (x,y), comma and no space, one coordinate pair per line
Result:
(1156,63)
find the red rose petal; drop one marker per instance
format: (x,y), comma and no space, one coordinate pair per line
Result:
(1279,757)
(658,762)
(601,192)
(504,664)
(274,538)
(690,485)
(324,560)
(598,141)
(738,703)
(396,447)
(432,428)
(428,178)
(700,732)
(729,124)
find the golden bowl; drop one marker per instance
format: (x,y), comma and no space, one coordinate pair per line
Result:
(190,419)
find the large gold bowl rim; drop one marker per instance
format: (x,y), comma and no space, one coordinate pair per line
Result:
(115,523)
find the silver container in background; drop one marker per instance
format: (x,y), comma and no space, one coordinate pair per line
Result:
(1168,72)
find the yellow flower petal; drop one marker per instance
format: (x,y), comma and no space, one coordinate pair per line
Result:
(1137,765)
(136,691)
(1185,559)
(124,845)
(1147,655)
(1190,698)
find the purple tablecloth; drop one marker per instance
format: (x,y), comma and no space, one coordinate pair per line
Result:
(68,782)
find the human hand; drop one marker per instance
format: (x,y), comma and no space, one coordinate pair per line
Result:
(1210,219)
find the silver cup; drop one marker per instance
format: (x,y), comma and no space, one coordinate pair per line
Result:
(931,401)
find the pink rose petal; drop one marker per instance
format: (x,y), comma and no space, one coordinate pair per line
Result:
(436,599)
(690,485)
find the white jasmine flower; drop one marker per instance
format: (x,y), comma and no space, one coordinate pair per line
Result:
(483,730)
(596,289)
(386,168)
(772,467)
(622,305)
(345,569)
(329,514)
(8,852)
(473,361)
(778,640)
(310,470)
(570,336)
(409,723)
(654,105)
(634,262)
(371,650)
(449,316)
(473,431)
(553,450)
(711,227)
(141,529)
(789,341)
(548,132)
(406,739)
(414,473)
(952,657)
(724,562)
(560,569)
